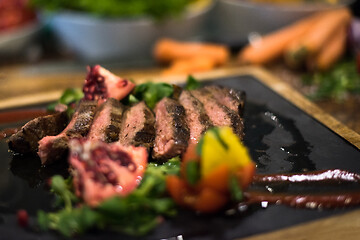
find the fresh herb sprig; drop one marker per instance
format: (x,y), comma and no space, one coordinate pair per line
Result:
(151,92)
(135,214)
(69,98)
(336,83)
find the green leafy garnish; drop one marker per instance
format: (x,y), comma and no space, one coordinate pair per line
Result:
(135,214)
(336,83)
(158,9)
(192,83)
(69,98)
(235,189)
(151,92)
(192,172)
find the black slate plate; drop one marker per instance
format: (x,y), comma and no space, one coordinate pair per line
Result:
(281,138)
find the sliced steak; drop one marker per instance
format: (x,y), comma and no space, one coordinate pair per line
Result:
(197,119)
(172,132)
(231,98)
(219,114)
(54,148)
(138,126)
(26,140)
(107,121)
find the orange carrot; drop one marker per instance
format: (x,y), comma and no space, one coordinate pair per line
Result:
(272,45)
(167,50)
(189,66)
(331,51)
(317,36)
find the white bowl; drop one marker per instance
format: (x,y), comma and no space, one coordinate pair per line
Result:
(235,20)
(96,39)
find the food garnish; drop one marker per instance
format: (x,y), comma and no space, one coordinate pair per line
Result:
(212,172)
(134,214)
(100,84)
(337,83)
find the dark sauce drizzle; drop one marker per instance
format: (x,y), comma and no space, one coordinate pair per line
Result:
(308,200)
(324,176)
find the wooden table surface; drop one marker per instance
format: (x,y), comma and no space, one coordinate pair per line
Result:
(20,86)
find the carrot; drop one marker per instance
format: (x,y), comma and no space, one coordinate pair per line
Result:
(167,50)
(272,45)
(191,65)
(331,51)
(316,37)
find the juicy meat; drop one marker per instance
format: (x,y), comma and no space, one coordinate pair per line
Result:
(138,126)
(172,132)
(231,98)
(54,148)
(196,117)
(219,114)
(26,140)
(107,121)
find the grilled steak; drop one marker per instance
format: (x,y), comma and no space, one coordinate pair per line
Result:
(231,98)
(26,140)
(172,132)
(53,148)
(219,114)
(197,119)
(138,126)
(107,121)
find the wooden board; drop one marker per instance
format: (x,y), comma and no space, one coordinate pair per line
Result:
(39,89)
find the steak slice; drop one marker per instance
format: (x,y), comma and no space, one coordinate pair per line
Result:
(54,148)
(231,98)
(107,121)
(172,132)
(219,114)
(138,126)
(197,119)
(26,140)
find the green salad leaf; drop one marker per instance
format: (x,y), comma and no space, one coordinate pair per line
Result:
(151,93)
(336,83)
(135,214)
(192,83)
(69,98)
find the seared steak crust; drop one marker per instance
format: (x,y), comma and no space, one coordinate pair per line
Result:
(138,126)
(197,119)
(231,98)
(107,121)
(219,114)
(26,140)
(54,148)
(172,132)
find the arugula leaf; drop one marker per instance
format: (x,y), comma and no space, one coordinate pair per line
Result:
(192,172)
(69,98)
(192,83)
(336,83)
(151,92)
(135,214)
(235,189)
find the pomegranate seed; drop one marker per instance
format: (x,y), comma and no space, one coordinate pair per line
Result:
(22,218)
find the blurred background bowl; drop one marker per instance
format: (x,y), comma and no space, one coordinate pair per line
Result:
(234,20)
(100,39)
